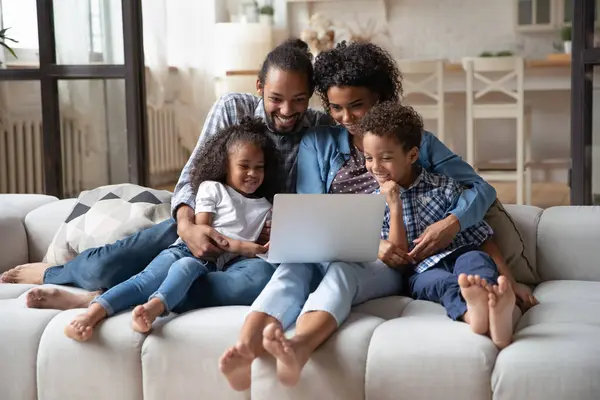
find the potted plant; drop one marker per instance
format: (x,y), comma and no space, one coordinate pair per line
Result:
(4,39)
(565,35)
(265,14)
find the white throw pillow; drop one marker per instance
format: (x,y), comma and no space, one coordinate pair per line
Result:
(107,214)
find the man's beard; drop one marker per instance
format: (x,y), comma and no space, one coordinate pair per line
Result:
(270,121)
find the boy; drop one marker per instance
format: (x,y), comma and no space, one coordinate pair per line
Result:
(469,277)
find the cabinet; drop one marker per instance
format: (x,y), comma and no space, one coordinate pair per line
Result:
(535,15)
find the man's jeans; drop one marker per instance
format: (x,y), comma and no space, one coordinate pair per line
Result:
(104,267)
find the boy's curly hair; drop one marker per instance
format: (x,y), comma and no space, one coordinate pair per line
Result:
(358,64)
(392,119)
(210,163)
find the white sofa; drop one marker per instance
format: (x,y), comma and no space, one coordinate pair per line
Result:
(391,348)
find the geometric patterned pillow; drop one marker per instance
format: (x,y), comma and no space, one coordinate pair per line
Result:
(107,214)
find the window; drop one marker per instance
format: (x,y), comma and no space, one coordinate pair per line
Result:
(21,17)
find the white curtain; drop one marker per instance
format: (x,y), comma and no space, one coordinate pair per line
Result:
(180,34)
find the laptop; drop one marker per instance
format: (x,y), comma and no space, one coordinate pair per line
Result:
(314,228)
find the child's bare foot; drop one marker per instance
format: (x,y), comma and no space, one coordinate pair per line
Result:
(236,365)
(27,273)
(289,364)
(474,291)
(82,327)
(501,304)
(144,315)
(58,299)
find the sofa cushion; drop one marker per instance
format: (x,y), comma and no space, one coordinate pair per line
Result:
(105,215)
(511,238)
(556,342)
(567,243)
(42,224)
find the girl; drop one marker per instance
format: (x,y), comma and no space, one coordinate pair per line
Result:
(236,178)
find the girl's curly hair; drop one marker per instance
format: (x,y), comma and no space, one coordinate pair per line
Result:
(358,64)
(210,163)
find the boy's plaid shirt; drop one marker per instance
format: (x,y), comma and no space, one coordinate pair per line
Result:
(229,110)
(427,201)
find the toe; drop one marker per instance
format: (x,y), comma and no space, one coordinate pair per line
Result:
(463,280)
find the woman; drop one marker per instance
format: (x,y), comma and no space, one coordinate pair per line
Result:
(350,79)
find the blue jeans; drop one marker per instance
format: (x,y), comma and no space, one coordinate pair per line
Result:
(103,267)
(341,285)
(168,277)
(107,266)
(440,283)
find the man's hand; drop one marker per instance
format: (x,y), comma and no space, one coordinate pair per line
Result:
(265,234)
(525,297)
(436,237)
(393,256)
(204,241)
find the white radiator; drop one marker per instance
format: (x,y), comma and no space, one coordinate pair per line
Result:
(21,156)
(167,155)
(21,153)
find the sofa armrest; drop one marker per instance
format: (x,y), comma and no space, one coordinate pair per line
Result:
(14,248)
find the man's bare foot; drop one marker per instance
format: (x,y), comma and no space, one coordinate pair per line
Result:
(289,360)
(58,299)
(144,315)
(82,327)
(27,273)
(236,365)
(474,291)
(501,303)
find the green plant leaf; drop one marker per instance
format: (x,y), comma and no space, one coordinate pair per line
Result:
(9,49)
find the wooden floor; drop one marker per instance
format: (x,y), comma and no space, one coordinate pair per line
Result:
(543,194)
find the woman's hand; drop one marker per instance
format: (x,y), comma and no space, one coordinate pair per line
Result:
(525,297)
(265,233)
(435,238)
(393,256)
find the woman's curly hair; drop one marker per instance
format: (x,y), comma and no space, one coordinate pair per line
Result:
(210,163)
(358,64)
(392,119)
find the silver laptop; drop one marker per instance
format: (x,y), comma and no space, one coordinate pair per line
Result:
(312,228)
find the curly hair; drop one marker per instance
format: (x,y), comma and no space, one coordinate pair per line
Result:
(392,119)
(358,64)
(210,163)
(292,55)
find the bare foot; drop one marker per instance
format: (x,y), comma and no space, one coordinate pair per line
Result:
(144,315)
(289,364)
(82,327)
(474,291)
(58,299)
(501,303)
(236,365)
(27,273)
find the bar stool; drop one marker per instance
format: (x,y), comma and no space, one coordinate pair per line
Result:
(478,70)
(425,78)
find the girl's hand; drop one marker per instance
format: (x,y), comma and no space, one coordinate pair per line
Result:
(392,192)
(250,249)
(393,256)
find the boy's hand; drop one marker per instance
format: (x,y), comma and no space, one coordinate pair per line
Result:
(436,237)
(391,190)
(525,297)
(393,256)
